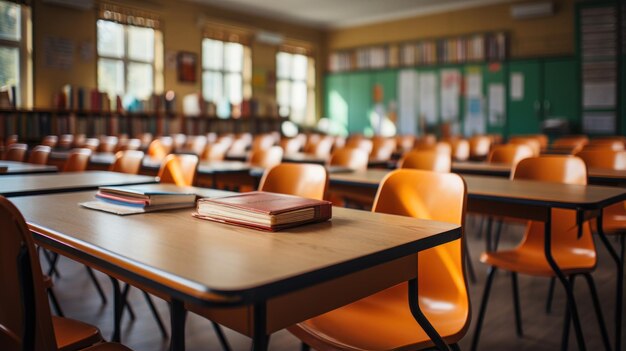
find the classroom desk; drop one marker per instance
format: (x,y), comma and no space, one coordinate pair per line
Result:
(15,168)
(272,279)
(525,199)
(65,182)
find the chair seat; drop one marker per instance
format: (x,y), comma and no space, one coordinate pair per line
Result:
(614,219)
(74,335)
(382,321)
(534,262)
(107,346)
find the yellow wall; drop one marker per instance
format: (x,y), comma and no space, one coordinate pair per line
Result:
(181,32)
(529,38)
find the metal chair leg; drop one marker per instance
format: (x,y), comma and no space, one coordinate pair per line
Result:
(221,337)
(567,323)
(469,265)
(52,259)
(483,307)
(103,297)
(55,303)
(516,304)
(156,315)
(496,239)
(488,241)
(596,306)
(304,347)
(455,347)
(550,295)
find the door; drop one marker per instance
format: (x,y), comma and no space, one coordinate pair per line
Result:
(561,91)
(359,102)
(524,98)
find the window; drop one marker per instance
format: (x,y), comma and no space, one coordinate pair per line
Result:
(295,87)
(15,60)
(226,74)
(129,61)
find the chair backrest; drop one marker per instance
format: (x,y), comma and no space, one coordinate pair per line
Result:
(426,139)
(78,160)
(108,143)
(321,148)
(291,145)
(404,143)
(604,159)
(433,196)
(301,179)
(11,139)
(262,142)
(146,139)
(128,161)
(91,144)
(427,160)
(161,147)
(440,147)
(460,149)
(352,158)
(614,144)
(266,158)
(178,141)
(510,154)
(479,146)
(39,154)
(196,144)
(575,142)
(215,152)
(50,140)
(360,143)
(178,169)
(557,169)
(128,144)
(533,143)
(382,148)
(238,146)
(66,141)
(16,152)
(25,314)
(541,138)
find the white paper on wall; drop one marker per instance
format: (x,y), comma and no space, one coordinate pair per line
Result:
(428,97)
(517,86)
(496,104)
(407,102)
(450,92)
(474,85)
(599,95)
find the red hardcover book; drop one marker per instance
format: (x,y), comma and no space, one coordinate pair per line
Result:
(264,210)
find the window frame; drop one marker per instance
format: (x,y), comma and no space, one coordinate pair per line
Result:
(24,92)
(126,60)
(309,111)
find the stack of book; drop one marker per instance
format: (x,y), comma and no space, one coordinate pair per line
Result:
(137,199)
(264,210)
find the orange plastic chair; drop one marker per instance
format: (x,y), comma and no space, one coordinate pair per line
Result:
(439,147)
(262,142)
(382,148)
(360,143)
(573,142)
(510,154)
(613,144)
(404,143)
(574,255)
(459,147)
(238,146)
(479,147)
(383,321)
(291,145)
(266,158)
(215,152)
(145,138)
(91,144)
(604,159)
(78,160)
(353,158)
(533,143)
(541,138)
(39,155)
(16,152)
(426,139)
(66,141)
(128,161)
(300,179)
(196,144)
(178,169)
(161,147)
(50,140)
(108,144)
(11,139)
(26,322)
(178,141)
(321,148)
(128,144)
(427,160)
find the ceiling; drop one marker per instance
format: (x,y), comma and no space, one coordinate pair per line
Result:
(343,13)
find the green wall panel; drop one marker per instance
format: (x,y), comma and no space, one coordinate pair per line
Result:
(561,97)
(524,114)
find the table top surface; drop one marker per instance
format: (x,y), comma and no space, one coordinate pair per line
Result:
(202,258)
(13,168)
(63,182)
(526,191)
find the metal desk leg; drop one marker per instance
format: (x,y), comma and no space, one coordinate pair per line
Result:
(421,319)
(619,261)
(178,316)
(118,307)
(260,339)
(563,279)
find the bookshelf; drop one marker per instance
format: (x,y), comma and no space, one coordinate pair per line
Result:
(472,48)
(34,125)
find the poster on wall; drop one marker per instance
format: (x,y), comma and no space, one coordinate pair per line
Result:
(187,65)
(407,102)
(517,86)
(474,101)
(59,53)
(496,104)
(428,98)
(450,92)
